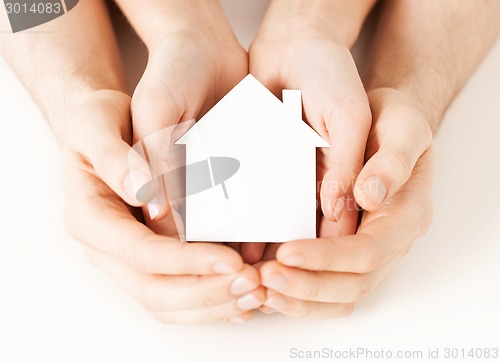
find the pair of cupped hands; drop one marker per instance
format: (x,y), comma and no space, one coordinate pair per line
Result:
(380,158)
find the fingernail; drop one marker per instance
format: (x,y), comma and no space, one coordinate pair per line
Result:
(276,282)
(242,285)
(338,208)
(223,268)
(375,189)
(134,181)
(154,208)
(237,319)
(277,302)
(294,260)
(248,302)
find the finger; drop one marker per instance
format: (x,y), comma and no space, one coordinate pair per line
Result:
(242,318)
(373,246)
(172,225)
(404,137)
(105,151)
(159,103)
(154,123)
(361,253)
(320,286)
(252,252)
(178,85)
(218,313)
(270,252)
(305,309)
(234,246)
(333,229)
(380,237)
(347,120)
(100,220)
(159,292)
(166,161)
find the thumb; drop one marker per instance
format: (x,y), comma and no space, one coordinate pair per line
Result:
(98,135)
(402,135)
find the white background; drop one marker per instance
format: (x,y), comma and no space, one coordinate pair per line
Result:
(445,293)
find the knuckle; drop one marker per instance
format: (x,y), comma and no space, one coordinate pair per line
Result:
(105,156)
(186,254)
(209,298)
(144,296)
(347,309)
(141,260)
(422,128)
(345,173)
(221,314)
(371,260)
(312,291)
(401,168)
(149,92)
(301,309)
(326,259)
(164,318)
(427,134)
(363,287)
(356,105)
(143,98)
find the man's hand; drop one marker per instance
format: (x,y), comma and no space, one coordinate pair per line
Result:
(336,271)
(325,277)
(177,282)
(87,107)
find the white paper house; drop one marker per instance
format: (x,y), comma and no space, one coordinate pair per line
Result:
(272,195)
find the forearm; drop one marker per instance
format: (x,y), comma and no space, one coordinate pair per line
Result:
(66,60)
(155,19)
(339,19)
(427,49)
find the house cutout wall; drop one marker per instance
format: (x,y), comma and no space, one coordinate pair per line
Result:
(271,195)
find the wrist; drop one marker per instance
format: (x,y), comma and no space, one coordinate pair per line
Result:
(76,103)
(162,18)
(339,20)
(431,109)
(401,97)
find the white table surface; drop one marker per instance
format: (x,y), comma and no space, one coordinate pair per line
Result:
(54,306)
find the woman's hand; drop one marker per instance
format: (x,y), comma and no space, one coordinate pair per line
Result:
(325,277)
(190,68)
(306,48)
(177,282)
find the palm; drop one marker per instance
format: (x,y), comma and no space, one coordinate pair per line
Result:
(335,106)
(187,74)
